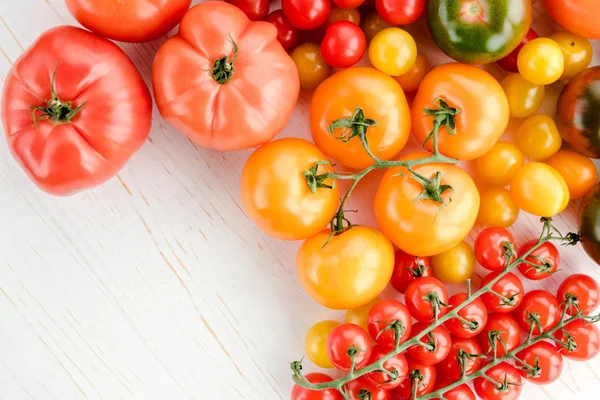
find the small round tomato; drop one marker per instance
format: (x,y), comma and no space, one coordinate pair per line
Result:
(509,379)
(424,298)
(287,35)
(393,51)
(500,164)
(408,268)
(491,247)
(524,97)
(315,343)
(579,172)
(460,355)
(500,328)
(361,388)
(509,286)
(582,340)
(344,44)
(348,3)
(541,263)
(578,16)
(347,271)
(540,308)
(544,363)
(461,392)
(276,196)
(438,343)
(471,319)
(372,24)
(454,265)
(299,393)
(382,315)
(255,10)
(539,190)
(497,209)
(421,375)
(538,137)
(396,364)
(585,291)
(479,124)
(577,52)
(400,12)
(509,62)
(360,315)
(344,14)
(306,15)
(411,80)
(346,340)
(541,61)
(312,69)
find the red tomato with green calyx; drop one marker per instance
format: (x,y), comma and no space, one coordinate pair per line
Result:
(408,268)
(421,375)
(463,352)
(472,317)
(300,393)
(543,361)
(509,287)
(580,340)
(539,310)
(436,344)
(507,376)
(426,298)
(385,318)
(500,328)
(347,340)
(492,246)
(582,290)
(344,44)
(541,263)
(397,365)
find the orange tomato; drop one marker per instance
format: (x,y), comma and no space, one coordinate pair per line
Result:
(484,112)
(579,172)
(276,196)
(411,80)
(380,97)
(424,227)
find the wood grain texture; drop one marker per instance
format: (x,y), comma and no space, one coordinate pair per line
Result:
(156,285)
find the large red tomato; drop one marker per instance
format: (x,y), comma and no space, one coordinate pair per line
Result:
(577,16)
(81,133)
(225,81)
(131,20)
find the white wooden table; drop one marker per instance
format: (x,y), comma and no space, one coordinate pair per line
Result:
(156,285)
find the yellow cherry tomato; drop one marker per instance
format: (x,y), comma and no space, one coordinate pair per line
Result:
(359,315)
(579,172)
(312,69)
(577,53)
(372,24)
(411,80)
(454,265)
(541,61)
(498,166)
(393,51)
(540,190)
(538,137)
(497,209)
(344,14)
(524,97)
(315,343)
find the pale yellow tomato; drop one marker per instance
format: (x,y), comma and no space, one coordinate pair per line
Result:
(359,315)
(454,265)
(315,343)
(538,137)
(524,97)
(577,53)
(393,51)
(497,208)
(499,165)
(541,61)
(540,190)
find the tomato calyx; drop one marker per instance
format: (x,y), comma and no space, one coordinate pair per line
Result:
(495,338)
(504,386)
(223,68)
(355,125)
(56,110)
(463,357)
(399,330)
(416,377)
(443,115)
(532,371)
(436,304)
(542,266)
(315,180)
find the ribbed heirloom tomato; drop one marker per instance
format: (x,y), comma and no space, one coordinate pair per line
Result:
(223,80)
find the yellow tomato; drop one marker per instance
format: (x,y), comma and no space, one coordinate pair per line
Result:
(498,166)
(393,51)
(579,172)
(538,137)
(577,53)
(312,69)
(411,80)
(524,98)
(497,209)
(349,271)
(539,190)
(359,315)
(455,265)
(315,343)
(541,61)
(372,24)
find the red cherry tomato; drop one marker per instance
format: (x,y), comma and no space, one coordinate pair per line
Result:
(384,313)
(397,364)
(462,392)
(460,351)
(344,44)
(474,312)
(503,373)
(287,35)
(306,14)
(255,10)
(422,375)
(348,3)
(361,388)
(503,326)
(400,12)
(538,305)
(347,338)
(509,62)
(300,393)
(582,287)
(584,340)
(543,261)
(423,298)
(490,248)
(544,363)
(509,286)
(438,341)
(408,268)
